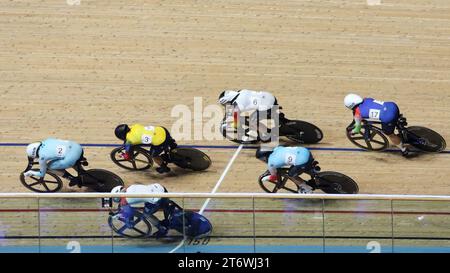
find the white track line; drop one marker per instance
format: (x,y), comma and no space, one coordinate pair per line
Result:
(222,177)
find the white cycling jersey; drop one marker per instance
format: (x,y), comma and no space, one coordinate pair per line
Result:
(249,100)
(141,189)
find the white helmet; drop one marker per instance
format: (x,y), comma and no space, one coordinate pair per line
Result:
(156,188)
(32,149)
(227,96)
(351,100)
(117,189)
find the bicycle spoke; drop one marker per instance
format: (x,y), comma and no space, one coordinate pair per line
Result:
(134,164)
(373,134)
(140,160)
(120,230)
(368,144)
(378,142)
(51,182)
(45,186)
(139,231)
(358,138)
(34,184)
(35,179)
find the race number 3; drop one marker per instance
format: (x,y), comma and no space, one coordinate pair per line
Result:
(60,151)
(374,114)
(146,139)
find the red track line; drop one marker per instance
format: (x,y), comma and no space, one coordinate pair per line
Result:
(247,211)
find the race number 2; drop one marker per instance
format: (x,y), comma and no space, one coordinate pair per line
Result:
(60,151)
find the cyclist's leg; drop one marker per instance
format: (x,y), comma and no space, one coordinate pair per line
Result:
(297,170)
(388,127)
(71,160)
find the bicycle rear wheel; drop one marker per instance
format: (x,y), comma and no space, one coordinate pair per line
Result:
(101,180)
(140,228)
(140,160)
(287,185)
(336,183)
(301,132)
(425,139)
(370,138)
(190,158)
(49,183)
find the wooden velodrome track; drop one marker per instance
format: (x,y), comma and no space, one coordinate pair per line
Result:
(76,71)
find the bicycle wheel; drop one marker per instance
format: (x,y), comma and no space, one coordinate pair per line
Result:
(288,186)
(370,138)
(190,158)
(337,183)
(301,132)
(140,228)
(140,160)
(49,183)
(425,139)
(101,180)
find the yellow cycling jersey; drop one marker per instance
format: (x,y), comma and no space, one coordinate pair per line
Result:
(140,134)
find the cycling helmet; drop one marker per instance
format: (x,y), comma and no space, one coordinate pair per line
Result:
(117,189)
(263,154)
(121,131)
(32,149)
(227,96)
(156,188)
(351,100)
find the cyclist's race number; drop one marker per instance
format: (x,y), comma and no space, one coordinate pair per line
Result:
(146,139)
(60,151)
(290,159)
(374,114)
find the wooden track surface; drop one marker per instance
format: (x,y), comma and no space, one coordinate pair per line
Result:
(75,72)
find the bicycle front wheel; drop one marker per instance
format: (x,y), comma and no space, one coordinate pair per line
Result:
(140,227)
(49,183)
(140,160)
(285,186)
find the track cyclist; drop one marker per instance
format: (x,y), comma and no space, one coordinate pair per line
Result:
(373,110)
(299,159)
(56,155)
(157,137)
(259,103)
(151,205)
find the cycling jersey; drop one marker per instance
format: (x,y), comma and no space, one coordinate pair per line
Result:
(373,110)
(249,100)
(56,154)
(288,156)
(151,135)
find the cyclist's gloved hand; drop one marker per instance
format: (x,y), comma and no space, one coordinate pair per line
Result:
(33,173)
(356,130)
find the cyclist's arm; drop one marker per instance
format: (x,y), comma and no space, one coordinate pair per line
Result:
(43,165)
(127,146)
(357,117)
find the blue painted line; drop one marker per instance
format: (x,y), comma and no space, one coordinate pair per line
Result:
(99,145)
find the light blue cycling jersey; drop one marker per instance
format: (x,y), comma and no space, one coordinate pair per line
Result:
(287,156)
(56,154)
